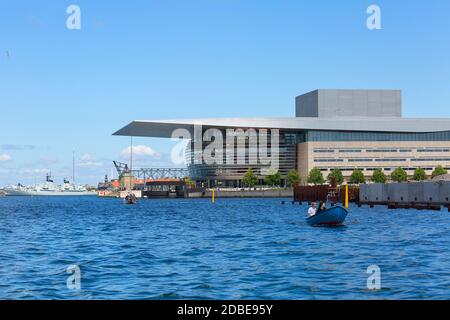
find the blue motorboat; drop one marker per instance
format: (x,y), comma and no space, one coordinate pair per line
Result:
(334,216)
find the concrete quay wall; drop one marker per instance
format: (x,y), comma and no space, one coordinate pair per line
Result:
(434,193)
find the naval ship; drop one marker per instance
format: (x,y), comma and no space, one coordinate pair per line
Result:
(48,188)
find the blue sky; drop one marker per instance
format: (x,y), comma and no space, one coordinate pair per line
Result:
(63,90)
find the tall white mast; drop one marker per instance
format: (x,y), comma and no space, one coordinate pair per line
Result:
(73,167)
(131,156)
(131,163)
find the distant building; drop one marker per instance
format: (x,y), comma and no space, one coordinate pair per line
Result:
(345,129)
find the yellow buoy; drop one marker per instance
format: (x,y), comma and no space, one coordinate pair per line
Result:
(212,196)
(346,196)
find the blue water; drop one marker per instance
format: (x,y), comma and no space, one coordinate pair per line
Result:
(234,249)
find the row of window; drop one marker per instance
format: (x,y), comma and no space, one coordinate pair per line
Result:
(373,169)
(381,160)
(374,136)
(324,150)
(328,160)
(434,150)
(381,150)
(390,160)
(360,160)
(376,160)
(430,159)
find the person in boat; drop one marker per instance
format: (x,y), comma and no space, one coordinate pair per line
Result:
(313,209)
(322,207)
(131,198)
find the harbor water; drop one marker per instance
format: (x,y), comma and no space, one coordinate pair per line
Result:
(232,249)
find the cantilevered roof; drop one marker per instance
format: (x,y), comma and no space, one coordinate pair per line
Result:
(164,128)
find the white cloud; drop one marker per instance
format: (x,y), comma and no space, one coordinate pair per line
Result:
(140,152)
(90,164)
(40,171)
(48,160)
(17,147)
(5,157)
(87,157)
(89,161)
(31,171)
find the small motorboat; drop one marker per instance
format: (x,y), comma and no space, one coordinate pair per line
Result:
(334,216)
(130,199)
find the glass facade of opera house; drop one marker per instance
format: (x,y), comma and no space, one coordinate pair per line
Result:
(231,169)
(344,129)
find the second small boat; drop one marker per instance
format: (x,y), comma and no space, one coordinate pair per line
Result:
(130,198)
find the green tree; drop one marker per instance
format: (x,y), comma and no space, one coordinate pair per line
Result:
(316,177)
(336,175)
(378,176)
(399,175)
(273,179)
(293,178)
(419,174)
(439,171)
(250,179)
(357,177)
(189,182)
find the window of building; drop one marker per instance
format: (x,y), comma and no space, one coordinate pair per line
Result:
(350,150)
(433,150)
(328,160)
(390,160)
(324,150)
(430,159)
(360,160)
(381,150)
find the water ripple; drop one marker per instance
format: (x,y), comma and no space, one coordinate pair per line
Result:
(234,249)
